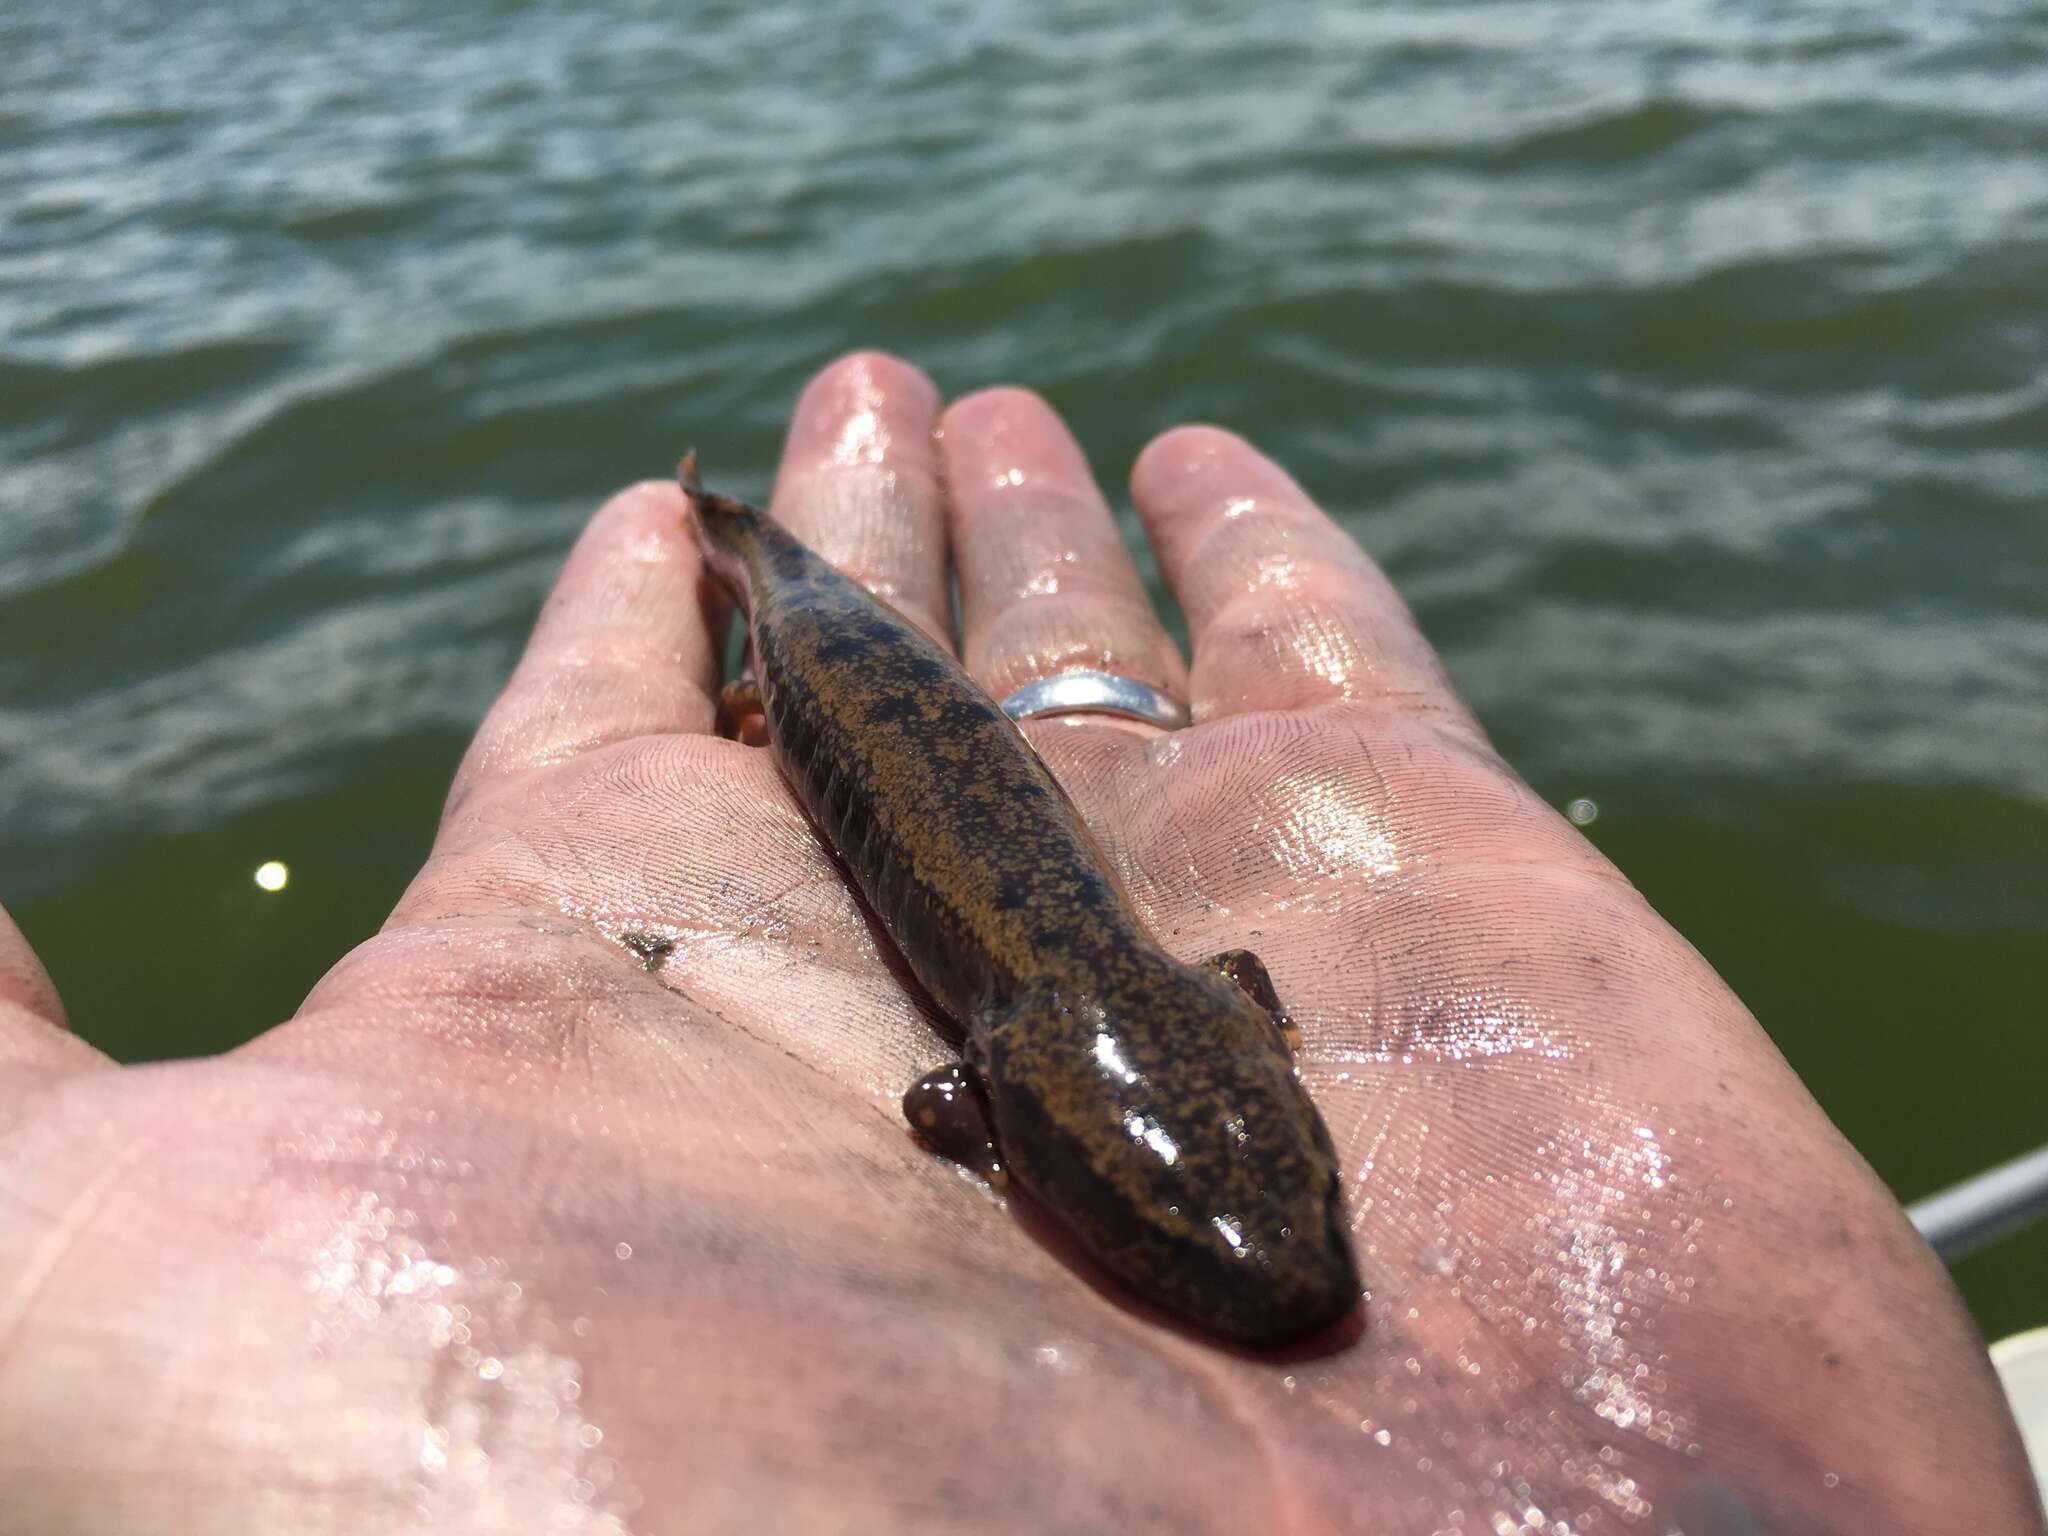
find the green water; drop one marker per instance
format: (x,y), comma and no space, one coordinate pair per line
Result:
(1686,364)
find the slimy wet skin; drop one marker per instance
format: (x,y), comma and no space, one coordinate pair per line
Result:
(1150,1106)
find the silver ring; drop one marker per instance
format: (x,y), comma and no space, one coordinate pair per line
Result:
(1096,693)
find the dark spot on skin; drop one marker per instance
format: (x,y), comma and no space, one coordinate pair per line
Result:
(652,948)
(902,711)
(1830,1359)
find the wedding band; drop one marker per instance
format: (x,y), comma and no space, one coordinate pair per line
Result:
(1096,693)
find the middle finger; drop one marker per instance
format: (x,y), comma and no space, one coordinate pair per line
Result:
(1046,584)
(859,483)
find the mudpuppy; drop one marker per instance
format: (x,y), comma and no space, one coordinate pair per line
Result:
(1149,1105)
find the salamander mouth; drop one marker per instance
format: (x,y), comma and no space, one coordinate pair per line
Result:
(1304,1287)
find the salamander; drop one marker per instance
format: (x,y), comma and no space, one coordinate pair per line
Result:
(1151,1106)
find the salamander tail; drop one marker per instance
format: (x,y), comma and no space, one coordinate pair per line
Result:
(713,508)
(710,505)
(728,531)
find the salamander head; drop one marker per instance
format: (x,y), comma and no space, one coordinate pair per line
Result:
(1161,1122)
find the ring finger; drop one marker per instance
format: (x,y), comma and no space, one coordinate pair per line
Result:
(1046,585)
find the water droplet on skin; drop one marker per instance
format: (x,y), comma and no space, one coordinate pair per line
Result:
(507,1437)
(1435,1259)
(623,1250)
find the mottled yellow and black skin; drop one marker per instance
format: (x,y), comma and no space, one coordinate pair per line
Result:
(1150,1106)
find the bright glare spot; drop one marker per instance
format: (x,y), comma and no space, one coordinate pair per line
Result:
(1582,812)
(1111,1059)
(863,440)
(272,875)
(1147,1133)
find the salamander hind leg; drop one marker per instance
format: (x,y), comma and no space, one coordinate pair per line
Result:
(1249,972)
(949,1109)
(741,713)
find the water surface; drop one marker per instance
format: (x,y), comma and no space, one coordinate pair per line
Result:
(1683,362)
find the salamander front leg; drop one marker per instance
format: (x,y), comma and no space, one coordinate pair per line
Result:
(1249,972)
(949,1109)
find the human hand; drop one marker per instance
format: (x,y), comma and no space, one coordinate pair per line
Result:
(579,1199)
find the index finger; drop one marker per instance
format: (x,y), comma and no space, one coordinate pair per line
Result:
(623,648)
(1284,610)
(32,1032)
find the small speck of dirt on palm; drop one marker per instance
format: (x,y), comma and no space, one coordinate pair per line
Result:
(652,948)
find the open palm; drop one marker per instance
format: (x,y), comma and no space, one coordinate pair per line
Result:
(579,1199)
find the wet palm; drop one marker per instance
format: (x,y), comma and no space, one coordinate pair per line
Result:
(580,1197)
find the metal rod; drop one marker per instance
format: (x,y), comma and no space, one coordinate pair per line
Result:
(1983,1209)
